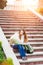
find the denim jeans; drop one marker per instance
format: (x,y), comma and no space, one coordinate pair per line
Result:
(20,49)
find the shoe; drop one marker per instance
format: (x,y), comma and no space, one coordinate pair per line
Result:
(24,58)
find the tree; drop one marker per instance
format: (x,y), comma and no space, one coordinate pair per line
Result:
(3,4)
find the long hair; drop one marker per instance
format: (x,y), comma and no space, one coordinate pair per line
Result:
(25,35)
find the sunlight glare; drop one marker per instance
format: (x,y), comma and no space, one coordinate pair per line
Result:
(27,3)
(23,4)
(30,3)
(10,2)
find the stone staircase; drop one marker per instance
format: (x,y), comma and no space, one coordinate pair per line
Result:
(12,21)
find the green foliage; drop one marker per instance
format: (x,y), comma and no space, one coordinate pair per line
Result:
(7,62)
(10,61)
(3,4)
(2,56)
(3,59)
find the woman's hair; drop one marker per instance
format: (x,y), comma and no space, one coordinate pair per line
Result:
(25,35)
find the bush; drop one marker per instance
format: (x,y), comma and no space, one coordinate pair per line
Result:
(3,4)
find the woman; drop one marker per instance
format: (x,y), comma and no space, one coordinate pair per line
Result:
(17,39)
(20,38)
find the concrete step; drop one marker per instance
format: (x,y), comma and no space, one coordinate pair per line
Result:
(39,64)
(36,35)
(20,20)
(29,26)
(35,43)
(23,24)
(24,28)
(21,17)
(31,20)
(32,63)
(10,33)
(29,37)
(16,21)
(31,60)
(36,49)
(20,26)
(33,54)
(27,29)
(15,15)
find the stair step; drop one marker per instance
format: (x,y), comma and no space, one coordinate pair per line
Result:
(10,33)
(34,43)
(20,28)
(31,60)
(38,50)
(37,45)
(20,20)
(26,28)
(41,30)
(39,64)
(29,35)
(34,53)
(34,56)
(29,27)
(28,24)
(35,50)
(30,40)
(32,63)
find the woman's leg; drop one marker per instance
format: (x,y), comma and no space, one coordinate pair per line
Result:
(22,52)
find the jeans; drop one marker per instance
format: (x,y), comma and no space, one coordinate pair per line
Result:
(20,49)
